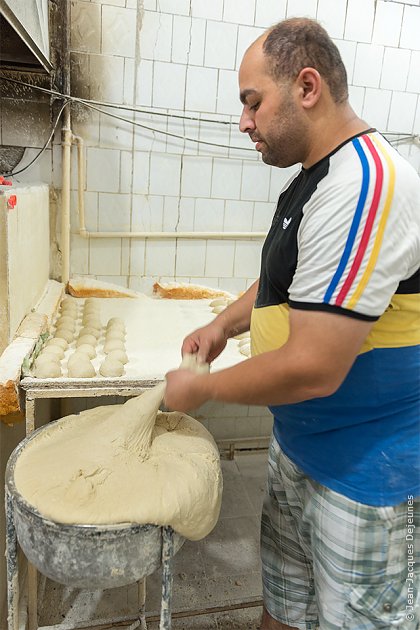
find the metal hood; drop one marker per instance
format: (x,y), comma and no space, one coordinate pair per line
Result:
(24,36)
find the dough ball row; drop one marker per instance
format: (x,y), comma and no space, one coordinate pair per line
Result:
(79,364)
(114,348)
(244,339)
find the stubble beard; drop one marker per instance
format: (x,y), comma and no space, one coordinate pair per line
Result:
(285,139)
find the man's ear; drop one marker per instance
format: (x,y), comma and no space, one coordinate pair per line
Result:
(309,83)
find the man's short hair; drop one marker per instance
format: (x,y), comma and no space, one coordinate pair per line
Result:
(298,43)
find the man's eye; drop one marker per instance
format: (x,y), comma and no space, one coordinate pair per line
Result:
(254,107)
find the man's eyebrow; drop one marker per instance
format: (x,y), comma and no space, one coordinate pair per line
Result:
(245,93)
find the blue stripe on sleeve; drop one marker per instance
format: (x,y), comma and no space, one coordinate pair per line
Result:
(355,223)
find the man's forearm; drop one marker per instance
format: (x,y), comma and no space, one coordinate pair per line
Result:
(236,318)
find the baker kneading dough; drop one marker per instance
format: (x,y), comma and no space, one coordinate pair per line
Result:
(125,464)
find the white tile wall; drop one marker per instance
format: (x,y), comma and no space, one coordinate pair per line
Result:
(238,215)
(306,8)
(413,83)
(395,69)
(388,19)
(190,258)
(368,65)
(220,48)
(402,112)
(185,57)
(156,36)
(196,176)
(168,85)
(165,170)
(220,258)
(201,89)
(410,28)
(209,214)
(118,31)
(269,12)
(226,180)
(359,20)
(332,15)
(376,108)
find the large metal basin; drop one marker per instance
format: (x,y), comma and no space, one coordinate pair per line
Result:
(84,556)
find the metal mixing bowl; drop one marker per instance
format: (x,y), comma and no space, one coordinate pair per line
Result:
(84,556)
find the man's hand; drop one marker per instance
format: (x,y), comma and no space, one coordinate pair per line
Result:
(207,342)
(185,390)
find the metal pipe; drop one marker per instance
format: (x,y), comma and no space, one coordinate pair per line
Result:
(174,235)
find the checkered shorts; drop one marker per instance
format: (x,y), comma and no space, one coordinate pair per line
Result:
(332,563)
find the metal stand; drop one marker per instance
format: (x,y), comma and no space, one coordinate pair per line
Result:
(139,620)
(32,389)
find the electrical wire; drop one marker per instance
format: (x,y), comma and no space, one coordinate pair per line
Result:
(93,105)
(13,173)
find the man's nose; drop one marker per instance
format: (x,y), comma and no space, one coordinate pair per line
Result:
(246,122)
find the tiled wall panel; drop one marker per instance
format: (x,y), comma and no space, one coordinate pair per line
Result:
(180,59)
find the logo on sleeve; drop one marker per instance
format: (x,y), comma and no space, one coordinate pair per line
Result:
(286,223)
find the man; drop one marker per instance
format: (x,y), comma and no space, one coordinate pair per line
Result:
(335,331)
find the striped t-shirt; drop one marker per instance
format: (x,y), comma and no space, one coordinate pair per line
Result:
(345,238)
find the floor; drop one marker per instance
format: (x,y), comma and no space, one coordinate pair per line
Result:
(222,571)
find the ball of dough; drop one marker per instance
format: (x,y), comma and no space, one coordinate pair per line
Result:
(218,302)
(90,301)
(46,358)
(75,357)
(67,326)
(245,341)
(87,349)
(81,368)
(246,350)
(92,308)
(92,320)
(113,344)
(89,330)
(89,339)
(111,367)
(61,343)
(55,350)
(66,319)
(49,369)
(63,333)
(117,322)
(118,355)
(114,333)
(219,309)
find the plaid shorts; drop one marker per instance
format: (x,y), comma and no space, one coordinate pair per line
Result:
(335,564)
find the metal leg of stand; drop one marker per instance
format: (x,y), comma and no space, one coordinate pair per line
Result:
(12,566)
(167,578)
(29,414)
(32,597)
(142,603)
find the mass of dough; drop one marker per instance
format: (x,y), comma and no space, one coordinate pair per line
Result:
(218,309)
(125,464)
(245,349)
(111,367)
